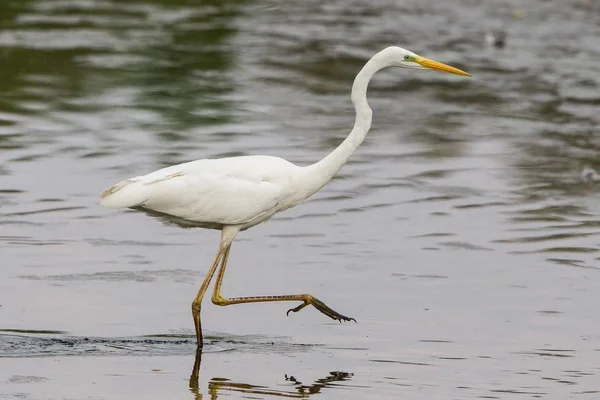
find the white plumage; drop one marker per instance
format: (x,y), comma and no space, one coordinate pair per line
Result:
(234,194)
(212,193)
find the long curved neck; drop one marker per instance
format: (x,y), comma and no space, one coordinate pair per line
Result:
(323,171)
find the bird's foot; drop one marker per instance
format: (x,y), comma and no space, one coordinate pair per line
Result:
(322,307)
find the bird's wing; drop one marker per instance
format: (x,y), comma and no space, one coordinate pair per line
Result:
(206,191)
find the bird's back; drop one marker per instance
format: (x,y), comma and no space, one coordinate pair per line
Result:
(210,192)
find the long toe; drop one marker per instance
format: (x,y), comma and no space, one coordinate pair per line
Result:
(296,309)
(319,305)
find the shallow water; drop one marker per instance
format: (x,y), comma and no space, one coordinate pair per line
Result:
(460,235)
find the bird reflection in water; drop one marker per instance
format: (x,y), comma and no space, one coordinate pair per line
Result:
(300,390)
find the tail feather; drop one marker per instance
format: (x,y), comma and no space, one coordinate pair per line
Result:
(124,194)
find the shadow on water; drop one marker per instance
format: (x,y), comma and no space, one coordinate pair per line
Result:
(27,343)
(15,343)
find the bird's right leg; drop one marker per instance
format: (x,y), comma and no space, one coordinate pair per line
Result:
(306,299)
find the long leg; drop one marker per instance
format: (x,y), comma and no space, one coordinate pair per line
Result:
(197,303)
(306,299)
(227,235)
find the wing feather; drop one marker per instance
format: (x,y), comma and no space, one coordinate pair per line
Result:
(206,191)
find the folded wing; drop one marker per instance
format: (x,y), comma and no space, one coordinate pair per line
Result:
(210,192)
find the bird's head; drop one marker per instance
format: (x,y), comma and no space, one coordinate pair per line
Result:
(399,57)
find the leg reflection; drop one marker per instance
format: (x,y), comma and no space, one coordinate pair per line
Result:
(297,389)
(314,388)
(195,377)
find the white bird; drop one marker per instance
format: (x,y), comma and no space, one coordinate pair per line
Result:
(237,193)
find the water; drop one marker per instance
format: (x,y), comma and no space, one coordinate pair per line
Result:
(460,235)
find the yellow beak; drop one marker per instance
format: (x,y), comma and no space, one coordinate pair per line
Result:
(438,66)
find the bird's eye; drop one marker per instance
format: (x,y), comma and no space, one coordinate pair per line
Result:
(407,57)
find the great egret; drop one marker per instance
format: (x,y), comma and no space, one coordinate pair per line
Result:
(237,193)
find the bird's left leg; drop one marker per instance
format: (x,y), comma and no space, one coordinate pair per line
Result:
(227,236)
(197,303)
(306,299)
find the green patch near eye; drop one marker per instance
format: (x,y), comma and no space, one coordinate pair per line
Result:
(409,58)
